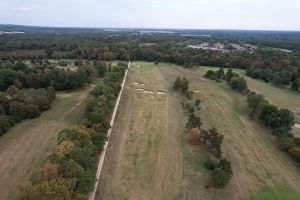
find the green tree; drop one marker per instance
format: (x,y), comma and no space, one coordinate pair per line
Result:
(177,83)
(85,182)
(285,119)
(295,85)
(255,102)
(193,122)
(71,169)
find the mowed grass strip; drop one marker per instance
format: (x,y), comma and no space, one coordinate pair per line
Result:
(281,97)
(27,145)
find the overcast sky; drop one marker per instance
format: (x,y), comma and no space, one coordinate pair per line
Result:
(198,14)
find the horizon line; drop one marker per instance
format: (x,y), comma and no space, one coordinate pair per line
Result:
(156,28)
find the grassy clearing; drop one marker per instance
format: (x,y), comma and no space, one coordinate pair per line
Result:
(26,146)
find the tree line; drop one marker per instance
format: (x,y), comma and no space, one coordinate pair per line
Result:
(233,79)
(17,104)
(196,135)
(70,173)
(280,121)
(276,66)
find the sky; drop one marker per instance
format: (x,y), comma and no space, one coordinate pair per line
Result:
(194,14)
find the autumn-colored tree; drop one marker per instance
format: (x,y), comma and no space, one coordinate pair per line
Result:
(56,189)
(50,171)
(63,148)
(194,136)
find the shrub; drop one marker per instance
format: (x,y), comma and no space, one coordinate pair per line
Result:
(210,164)
(194,136)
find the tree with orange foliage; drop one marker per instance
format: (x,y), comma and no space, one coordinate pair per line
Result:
(194,136)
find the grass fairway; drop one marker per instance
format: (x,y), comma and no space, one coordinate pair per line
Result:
(284,98)
(277,193)
(26,146)
(148,159)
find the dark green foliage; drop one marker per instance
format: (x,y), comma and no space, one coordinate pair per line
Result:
(193,122)
(4,124)
(229,75)
(83,157)
(222,173)
(197,102)
(99,140)
(239,84)
(280,120)
(101,69)
(255,102)
(214,140)
(210,164)
(295,85)
(33,111)
(210,74)
(85,182)
(71,169)
(177,83)
(181,83)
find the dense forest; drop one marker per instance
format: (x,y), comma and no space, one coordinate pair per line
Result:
(267,61)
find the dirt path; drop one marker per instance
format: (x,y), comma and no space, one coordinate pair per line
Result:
(26,146)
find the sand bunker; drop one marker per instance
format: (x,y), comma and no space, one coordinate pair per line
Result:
(297,125)
(148,91)
(138,84)
(161,93)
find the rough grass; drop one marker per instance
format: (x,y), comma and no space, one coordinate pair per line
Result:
(149,159)
(27,145)
(282,97)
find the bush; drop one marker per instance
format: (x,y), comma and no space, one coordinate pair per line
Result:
(210,164)
(220,177)
(239,84)
(222,173)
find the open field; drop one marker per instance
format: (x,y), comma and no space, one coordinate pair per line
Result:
(148,159)
(283,98)
(26,146)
